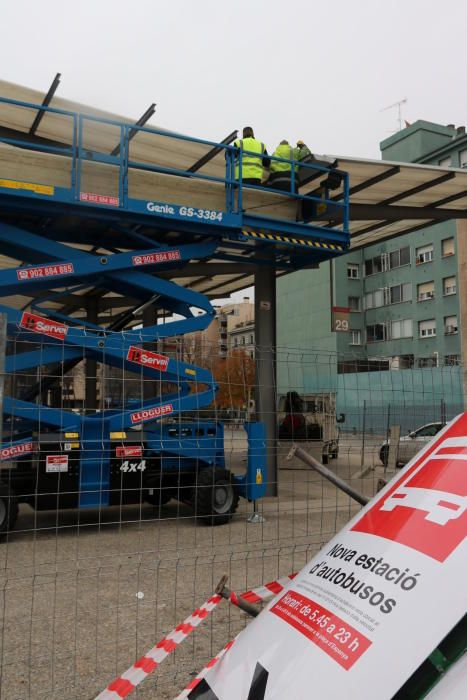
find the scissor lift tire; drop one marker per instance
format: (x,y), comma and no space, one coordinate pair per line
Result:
(8,509)
(215,498)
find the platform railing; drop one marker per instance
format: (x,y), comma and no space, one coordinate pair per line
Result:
(233,155)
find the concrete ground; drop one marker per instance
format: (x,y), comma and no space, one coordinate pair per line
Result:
(85,596)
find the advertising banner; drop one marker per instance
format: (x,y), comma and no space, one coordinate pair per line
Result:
(373,604)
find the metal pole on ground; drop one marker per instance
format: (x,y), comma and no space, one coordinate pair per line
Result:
(327,474)
(363,433)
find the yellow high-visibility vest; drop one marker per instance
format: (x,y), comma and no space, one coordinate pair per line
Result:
(283,151)
(252,166)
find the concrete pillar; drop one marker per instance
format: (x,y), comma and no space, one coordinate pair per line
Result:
(462,295)
(265,340)
(90,385)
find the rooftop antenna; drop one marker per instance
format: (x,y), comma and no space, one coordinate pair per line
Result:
(399,110)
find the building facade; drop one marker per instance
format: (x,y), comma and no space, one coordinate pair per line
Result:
(402,344)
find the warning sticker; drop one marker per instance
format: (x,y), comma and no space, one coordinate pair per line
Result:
(56,463)
(39,324)
(17,450)
(153,258)
(147,358)
(32,273)
(31,186)
(151,413)
(99,199)
(129,451)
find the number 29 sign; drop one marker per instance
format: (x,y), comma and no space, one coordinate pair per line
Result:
(340,319)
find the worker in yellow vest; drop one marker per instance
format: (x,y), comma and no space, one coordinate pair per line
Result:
(254,158)
(281,171)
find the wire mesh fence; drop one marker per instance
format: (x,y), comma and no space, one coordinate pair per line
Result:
(116,538)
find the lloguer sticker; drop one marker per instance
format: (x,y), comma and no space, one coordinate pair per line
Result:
(151,413)
(17,450)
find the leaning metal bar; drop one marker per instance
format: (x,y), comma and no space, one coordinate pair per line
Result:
(141,121)
(327,473)
(3,332)
(45,103)
(232,597)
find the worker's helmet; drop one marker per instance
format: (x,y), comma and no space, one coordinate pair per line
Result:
(300,143)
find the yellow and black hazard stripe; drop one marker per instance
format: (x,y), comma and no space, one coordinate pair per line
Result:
(296,241)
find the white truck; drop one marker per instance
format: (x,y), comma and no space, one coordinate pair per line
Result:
(309,419)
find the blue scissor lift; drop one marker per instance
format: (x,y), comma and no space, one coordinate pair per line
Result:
(73,246)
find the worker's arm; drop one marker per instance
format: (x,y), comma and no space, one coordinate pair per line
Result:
(266,159)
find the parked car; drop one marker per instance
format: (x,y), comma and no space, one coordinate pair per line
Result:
(410,444)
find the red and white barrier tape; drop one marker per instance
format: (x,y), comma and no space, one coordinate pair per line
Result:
(255,595)
(193,683)
(127,682)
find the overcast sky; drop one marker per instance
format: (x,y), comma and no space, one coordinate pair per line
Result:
(320,71)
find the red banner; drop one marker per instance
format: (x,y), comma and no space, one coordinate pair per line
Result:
(147,358)
(39,324)
(337,638)
(151,413)
(40,271)
(153,258)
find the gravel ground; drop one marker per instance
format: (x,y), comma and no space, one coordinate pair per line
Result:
(85,595)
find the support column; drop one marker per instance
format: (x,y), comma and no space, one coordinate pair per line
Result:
(150,386)
(265,387)
(90,367)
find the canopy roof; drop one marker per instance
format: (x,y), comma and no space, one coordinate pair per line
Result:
(386,198)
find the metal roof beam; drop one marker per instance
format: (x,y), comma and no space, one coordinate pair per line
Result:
(370,212)
(419,188)
(370,182)
(212,152)
(141,122)
(395,234)
(45,103)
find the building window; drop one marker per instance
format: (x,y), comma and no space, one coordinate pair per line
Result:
(447,246)
(426,291)
(355,337)
(373,266)
(427,362)
(449,286)
(235,342)
(450,325)
(401,329)
(463,158)
(243,340)
(445,162)
(354,303)
(376,332)
(252,340)
(399,293)
(353,271)
(400,257)
(452,360)
(373,300)
(424,254)
(427,329)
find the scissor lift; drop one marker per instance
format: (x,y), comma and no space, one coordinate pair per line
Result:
(67,241)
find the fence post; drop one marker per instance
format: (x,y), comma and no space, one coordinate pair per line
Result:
(363,433)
